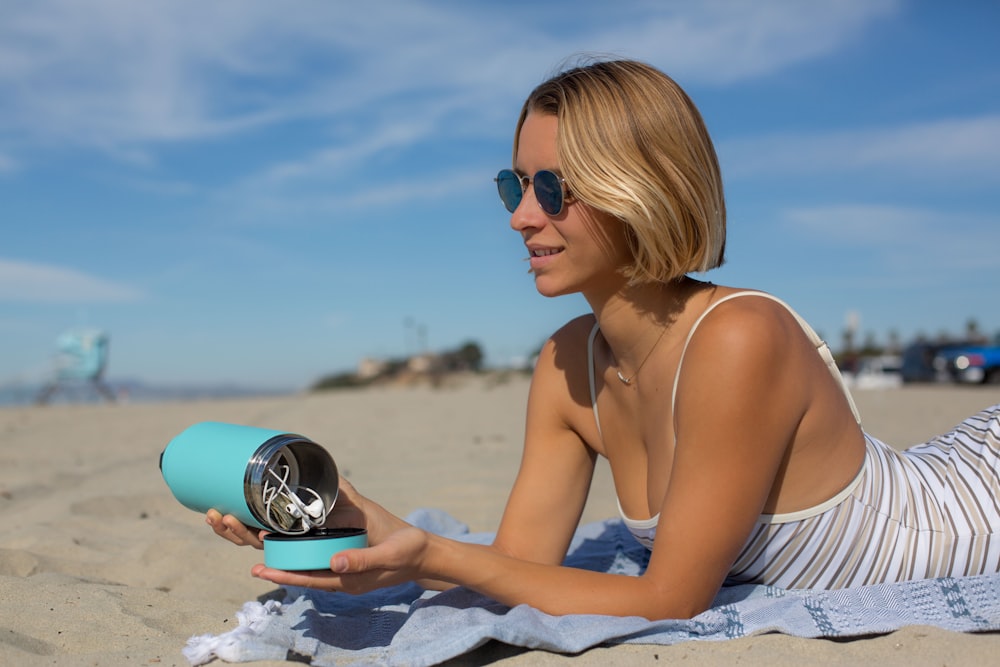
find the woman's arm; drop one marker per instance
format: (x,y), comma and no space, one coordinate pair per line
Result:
(742,397)
(548,496)
(542,513)
(551,487)
(557,466)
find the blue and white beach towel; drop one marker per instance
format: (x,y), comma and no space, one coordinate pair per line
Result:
(392,626)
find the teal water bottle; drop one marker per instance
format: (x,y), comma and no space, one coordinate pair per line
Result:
(277,481)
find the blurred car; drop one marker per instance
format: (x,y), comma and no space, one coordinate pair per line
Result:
(876,372)
(918,363)
(974,364)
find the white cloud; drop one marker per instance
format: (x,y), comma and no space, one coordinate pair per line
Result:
(973,142)
(966,147)
(875,224)
(31,282)
(115,73)
(725,41)
(457,72)
(7,164)
(918,240)
(330,162)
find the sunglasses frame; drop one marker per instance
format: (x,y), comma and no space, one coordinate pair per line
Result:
(525,181)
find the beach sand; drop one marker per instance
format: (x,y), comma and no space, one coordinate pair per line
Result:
(100,565)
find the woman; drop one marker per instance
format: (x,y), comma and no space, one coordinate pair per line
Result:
(735,449)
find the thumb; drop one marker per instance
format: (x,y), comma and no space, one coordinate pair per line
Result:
(347,561)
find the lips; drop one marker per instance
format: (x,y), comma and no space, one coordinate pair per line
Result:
(544,252)
(539,257)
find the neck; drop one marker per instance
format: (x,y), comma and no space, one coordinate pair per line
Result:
(636,318)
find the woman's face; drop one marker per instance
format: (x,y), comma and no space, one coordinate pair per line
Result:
(578,250)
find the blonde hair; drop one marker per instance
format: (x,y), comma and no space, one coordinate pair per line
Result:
(632,144)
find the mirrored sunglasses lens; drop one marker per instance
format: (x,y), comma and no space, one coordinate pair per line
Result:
(548,192)
(509,187)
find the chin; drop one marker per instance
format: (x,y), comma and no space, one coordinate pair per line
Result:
(550,289)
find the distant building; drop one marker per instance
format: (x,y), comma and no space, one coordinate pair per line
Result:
(369,368)
(422,363)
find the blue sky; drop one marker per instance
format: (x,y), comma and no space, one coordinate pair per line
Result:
(263,193)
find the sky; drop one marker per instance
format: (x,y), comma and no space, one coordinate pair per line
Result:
(264,193)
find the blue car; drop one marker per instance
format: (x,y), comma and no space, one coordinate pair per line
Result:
(974,364)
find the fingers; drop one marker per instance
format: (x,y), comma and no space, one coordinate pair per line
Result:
(327,580)
(232,529)
(340,564)
(321,579)
(347,487)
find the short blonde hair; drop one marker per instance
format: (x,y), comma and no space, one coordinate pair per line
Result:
(632,144)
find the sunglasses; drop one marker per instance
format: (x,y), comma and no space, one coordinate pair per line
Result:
(550,190)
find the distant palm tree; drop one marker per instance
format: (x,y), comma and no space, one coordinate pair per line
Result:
(972,332)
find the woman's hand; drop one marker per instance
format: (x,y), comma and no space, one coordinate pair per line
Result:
(230,528)
(396,559)
(352,510)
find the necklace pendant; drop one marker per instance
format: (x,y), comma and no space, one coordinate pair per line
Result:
(628,380)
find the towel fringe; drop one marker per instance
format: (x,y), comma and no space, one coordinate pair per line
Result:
(202,649)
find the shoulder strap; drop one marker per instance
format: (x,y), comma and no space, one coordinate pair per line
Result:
(821,347)
(591,375)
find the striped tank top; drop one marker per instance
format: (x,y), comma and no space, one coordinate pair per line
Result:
(929,511)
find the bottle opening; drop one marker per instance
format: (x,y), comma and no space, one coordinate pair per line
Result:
(291,485)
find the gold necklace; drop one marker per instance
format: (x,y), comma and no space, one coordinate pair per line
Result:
(628,380)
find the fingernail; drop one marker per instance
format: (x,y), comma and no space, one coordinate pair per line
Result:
(340,564)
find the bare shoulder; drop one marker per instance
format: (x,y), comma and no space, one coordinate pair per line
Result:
(751,323)
(745,345)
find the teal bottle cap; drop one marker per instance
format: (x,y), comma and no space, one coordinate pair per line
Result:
(313,550)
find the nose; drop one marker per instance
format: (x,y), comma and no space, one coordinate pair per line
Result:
(528,214)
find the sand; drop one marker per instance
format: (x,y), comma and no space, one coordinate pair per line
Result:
(99,565)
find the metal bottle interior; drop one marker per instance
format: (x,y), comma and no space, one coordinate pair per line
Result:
(309,466)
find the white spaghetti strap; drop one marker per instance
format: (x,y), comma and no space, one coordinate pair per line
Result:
(821,347)
(591,376)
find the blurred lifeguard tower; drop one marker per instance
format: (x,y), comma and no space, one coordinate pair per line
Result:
(81,359)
